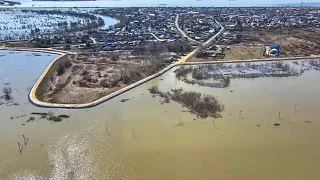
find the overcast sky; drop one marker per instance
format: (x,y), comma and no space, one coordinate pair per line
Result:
(197,2)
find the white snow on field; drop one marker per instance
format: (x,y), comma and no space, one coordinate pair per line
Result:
(15,24)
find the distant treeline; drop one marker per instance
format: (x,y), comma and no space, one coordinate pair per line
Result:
(69,13)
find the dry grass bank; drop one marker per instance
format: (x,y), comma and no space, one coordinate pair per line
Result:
(87,77)
(293,43)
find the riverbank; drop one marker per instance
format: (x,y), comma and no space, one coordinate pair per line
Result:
(122,90)
(47,50)
(111,142)
(38,88)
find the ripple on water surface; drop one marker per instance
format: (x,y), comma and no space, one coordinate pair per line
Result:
(99,143)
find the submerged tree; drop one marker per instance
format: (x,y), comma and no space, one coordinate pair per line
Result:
(7,93)
(226,82)
(200,104)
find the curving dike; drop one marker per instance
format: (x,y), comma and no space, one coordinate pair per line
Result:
(35,92)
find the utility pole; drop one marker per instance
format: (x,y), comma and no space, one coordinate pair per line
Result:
(301,3)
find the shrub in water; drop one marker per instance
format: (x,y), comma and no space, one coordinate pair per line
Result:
(7,93)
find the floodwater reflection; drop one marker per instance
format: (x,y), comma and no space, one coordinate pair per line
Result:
(98,143)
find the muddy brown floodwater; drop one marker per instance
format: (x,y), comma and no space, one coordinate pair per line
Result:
(140,138)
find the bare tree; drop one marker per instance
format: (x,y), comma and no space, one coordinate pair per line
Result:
(7,93)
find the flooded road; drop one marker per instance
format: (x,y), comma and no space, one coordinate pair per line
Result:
(143,139)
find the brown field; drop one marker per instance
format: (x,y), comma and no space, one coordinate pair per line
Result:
(91,76)
(293,43)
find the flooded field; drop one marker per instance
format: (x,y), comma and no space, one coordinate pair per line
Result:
(144,139)
(18,24)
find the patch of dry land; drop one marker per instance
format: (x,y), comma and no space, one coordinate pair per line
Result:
(86,77)
(293,43)
(16,44)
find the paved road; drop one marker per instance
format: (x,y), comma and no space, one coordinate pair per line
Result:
(205,44)
(181,31)
(156,37)
(213,38)
(94,41)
